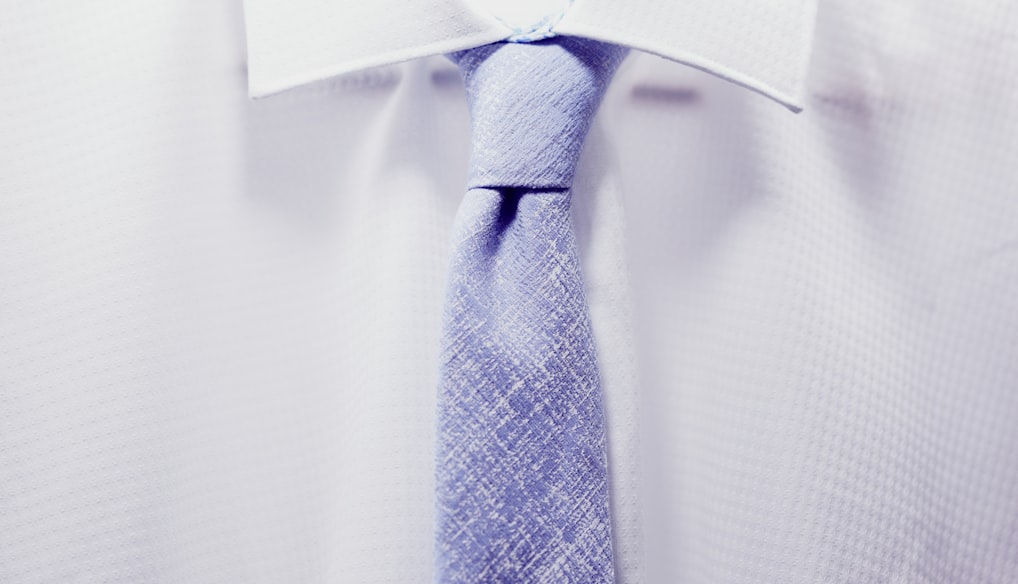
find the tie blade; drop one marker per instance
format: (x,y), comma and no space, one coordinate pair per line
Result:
(522,470)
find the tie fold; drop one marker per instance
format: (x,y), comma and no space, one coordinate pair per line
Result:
(531,106)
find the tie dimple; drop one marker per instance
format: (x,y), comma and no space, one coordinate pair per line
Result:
(522,471)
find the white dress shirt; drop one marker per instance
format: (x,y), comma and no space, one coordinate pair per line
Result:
(763,46)
(219,316)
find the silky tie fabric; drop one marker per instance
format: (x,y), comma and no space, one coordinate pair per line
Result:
(522,467)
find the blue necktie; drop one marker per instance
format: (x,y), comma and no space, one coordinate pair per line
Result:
(522,466)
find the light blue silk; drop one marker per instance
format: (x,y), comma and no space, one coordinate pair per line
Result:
(522,468)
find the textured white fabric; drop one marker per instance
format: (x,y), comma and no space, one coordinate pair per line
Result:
(291,43)
(761,44)
(209,374)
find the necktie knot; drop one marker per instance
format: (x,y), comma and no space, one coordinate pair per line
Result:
(531,105)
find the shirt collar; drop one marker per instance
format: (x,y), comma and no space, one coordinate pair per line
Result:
(763,45)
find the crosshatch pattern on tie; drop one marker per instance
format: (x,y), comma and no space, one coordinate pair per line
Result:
(522,460)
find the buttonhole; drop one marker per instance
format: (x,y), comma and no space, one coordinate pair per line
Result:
(446,77)
(665,94)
